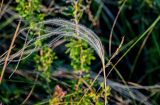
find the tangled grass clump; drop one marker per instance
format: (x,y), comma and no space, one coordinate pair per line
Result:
(44,74)
(57,29)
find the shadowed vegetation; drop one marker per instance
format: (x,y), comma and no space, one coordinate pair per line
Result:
(79,52)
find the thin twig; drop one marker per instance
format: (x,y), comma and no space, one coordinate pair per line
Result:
(139,52)
(9,51)
(31,91)
(114,23)
(20,55)
(1,6)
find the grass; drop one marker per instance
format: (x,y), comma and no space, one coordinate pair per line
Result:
(122,34)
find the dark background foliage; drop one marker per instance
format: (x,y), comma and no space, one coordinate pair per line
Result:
(139,66)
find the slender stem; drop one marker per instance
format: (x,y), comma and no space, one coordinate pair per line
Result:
(9,51)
